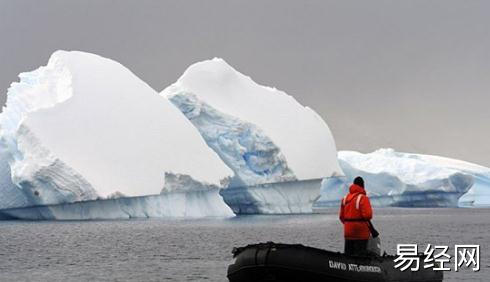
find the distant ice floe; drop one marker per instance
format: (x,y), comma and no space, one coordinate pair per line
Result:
(409,180)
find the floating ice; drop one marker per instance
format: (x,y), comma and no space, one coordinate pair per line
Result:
(278,149)
(85,138)
(479,194)
(399,179)
(84,127)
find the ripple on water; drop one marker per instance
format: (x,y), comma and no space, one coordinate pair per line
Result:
(200,250)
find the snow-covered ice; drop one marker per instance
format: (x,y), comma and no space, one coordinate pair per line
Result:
(84,127)
(83,134)
(479,194)
(84,138)
(400,179)
(301,135)
(278,149)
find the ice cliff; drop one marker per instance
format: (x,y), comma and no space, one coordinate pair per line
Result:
(278,149)
(194,204)
(244,147)
(403,179)
(84,127)
(10,195)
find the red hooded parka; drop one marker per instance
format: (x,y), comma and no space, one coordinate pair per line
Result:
(355,211)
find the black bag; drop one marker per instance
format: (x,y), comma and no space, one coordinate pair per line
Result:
(373,230)
(374,243)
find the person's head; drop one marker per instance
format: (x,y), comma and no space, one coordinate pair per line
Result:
(359,181)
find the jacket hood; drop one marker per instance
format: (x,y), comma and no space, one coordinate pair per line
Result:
(356,189)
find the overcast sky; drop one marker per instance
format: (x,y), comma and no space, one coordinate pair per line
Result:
(412,75)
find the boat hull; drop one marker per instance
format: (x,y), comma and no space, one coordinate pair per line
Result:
(284,262)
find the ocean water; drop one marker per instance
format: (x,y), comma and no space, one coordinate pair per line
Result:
(200,250)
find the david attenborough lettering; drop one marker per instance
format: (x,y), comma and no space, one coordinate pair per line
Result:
(353,267)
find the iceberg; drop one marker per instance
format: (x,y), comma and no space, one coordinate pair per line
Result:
(301,134)
(84,138)
(278,149)
(399,179)
(84,127)
(479,194)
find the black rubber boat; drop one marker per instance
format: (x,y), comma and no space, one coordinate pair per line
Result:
(285,262)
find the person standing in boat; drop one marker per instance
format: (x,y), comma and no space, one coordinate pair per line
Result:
(355,214)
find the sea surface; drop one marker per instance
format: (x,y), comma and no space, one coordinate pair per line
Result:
(200,249)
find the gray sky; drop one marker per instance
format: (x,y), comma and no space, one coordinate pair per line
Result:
(412,75)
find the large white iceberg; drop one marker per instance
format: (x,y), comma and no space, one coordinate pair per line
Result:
(83,138)
(302,136)
(402,179)
(278,149)
(84,127)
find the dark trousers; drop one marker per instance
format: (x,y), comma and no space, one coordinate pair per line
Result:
(355,247)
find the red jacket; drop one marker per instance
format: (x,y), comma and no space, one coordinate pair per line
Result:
(355,211)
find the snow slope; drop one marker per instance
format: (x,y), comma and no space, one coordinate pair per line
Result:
(295,136)
(84,126)
(399,179)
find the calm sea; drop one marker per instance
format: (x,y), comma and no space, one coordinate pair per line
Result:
(200,250)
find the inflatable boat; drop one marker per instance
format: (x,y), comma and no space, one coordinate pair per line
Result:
(285,262)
